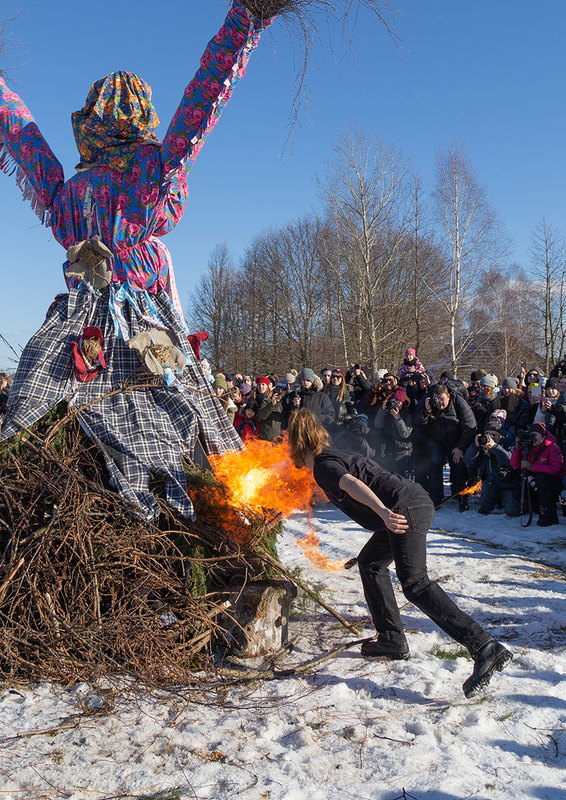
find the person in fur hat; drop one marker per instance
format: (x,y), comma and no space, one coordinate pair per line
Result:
(317,402)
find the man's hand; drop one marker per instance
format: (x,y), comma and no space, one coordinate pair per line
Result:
(525,464)
(396,523)
(457,455)
(427,404)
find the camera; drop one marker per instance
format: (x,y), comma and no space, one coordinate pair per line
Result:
(504,474)
(435,402)
(525,440)
(353,424)
(392,404)
(484,439)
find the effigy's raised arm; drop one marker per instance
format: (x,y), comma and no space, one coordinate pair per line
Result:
(24,151)
(221,67)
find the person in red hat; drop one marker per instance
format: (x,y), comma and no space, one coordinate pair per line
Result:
(542,458)
(262,391)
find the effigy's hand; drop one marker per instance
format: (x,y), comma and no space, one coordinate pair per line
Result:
(396,523)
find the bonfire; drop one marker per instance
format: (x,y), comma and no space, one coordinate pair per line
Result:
(89,588)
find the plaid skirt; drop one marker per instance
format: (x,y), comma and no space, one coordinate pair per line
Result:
(139,432)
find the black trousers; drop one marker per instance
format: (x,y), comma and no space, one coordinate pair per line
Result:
(548,488)
(437,455)
(408,551)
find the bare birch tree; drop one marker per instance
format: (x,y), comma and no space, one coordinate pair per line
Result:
(210,303)
(548,260)
(471,237)
(365,193)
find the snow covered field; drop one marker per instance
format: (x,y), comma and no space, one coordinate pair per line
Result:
(352,729)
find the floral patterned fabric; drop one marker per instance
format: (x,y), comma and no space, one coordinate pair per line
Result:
(117,117)
(131,204)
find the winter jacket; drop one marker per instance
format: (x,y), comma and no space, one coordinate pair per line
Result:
(482,463)
(554,419)
(545,457)
(396,435)
(320,405)
(453,426)
(272,420)
(558,370)
(248,429)
(360,385)
(344,406)
(518,413)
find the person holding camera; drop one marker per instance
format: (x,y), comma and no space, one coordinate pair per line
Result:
(396,433)
(552,411)
(317,402)
(537,453)
(448,427)
(389,389)
(517,412)
(489,462)
(273,415)
(358,381)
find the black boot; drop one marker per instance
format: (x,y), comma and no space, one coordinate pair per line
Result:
(463,504)
(390,651)
(488,659)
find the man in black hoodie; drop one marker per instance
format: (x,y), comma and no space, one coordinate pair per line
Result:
(448,427)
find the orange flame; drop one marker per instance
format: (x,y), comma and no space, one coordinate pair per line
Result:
(309,545)
(263,478)
(472,489)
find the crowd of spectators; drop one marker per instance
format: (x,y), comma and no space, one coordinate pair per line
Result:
(508,434)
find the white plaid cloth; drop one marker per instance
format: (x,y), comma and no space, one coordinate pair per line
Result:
(139,432)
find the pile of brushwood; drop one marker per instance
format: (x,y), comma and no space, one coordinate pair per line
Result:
(88,588)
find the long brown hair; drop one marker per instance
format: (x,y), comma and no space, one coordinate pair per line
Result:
(306,436)
(342,391)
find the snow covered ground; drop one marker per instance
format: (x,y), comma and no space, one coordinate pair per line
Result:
(351,729)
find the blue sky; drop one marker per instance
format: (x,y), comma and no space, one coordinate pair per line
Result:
(488,73)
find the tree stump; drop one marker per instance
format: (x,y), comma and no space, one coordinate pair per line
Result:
(260,616)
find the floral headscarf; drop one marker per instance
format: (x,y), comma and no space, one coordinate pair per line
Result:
(117,117)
